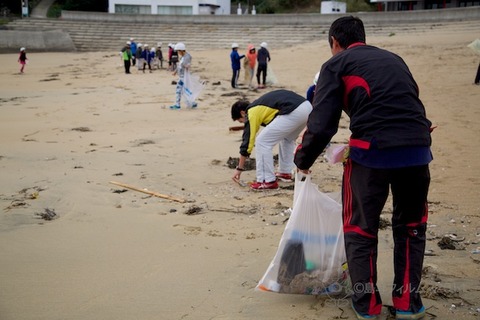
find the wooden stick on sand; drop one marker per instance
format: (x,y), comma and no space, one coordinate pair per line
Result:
(236,128)
(156,194)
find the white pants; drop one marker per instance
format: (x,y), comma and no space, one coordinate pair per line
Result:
(140,62)
(283,130)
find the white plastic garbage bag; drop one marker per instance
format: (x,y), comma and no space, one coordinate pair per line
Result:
(271,78)
(311,255)
(192,87)
(475,46)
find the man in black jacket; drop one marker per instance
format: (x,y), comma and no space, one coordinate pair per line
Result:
(389,149)
(263,58)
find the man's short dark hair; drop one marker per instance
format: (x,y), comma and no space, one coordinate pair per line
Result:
(240,105)
(347,30)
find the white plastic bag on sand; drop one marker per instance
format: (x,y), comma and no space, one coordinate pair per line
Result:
(475,46)
(192,86)
(311,255)
(271,78)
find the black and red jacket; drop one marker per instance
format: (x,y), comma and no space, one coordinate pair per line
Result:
(377,91)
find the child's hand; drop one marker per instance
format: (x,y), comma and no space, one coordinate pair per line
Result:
(236,175)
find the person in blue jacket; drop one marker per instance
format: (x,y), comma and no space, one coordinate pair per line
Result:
(311,89)
(151,58)
(145,55)
(133,49)
(235,58)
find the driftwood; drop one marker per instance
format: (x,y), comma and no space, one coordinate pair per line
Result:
(156,194)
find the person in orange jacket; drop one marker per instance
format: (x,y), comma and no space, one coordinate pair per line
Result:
(249,65)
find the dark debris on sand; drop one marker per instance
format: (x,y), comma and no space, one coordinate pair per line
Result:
(232,163)
(82,129)
(193,210)
(47,214)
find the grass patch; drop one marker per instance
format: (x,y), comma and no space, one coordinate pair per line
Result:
(55,11)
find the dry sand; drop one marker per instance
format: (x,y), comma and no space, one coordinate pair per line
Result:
(74,122)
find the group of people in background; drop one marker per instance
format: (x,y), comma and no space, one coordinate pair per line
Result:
(145,57)
(252,59)
(142,56)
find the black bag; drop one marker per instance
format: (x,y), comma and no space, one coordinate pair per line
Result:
(291,263)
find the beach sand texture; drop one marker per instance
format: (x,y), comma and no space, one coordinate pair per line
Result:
(74,122)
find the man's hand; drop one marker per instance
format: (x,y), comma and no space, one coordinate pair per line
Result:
(308,171)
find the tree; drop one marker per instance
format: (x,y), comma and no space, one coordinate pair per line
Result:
(86,5)
(14,6)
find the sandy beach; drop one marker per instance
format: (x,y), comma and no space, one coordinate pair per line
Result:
(75,122)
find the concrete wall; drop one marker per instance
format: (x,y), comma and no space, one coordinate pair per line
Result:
(55,40)
(371,18)
(58,40)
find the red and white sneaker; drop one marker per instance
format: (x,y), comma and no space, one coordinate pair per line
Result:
(258,186)
(285,177)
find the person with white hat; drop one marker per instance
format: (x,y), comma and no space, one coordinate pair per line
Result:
(133,49)
(151,58)
(182,67)
(145,54)
(127,57)
(22,59)
(249,64)
(159,55)
(138,56)
(235,59)
(263,57)
(172,57)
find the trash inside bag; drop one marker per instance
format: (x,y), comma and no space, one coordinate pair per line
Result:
(311,255)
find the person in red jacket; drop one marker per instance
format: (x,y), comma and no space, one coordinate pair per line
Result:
(389,150)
